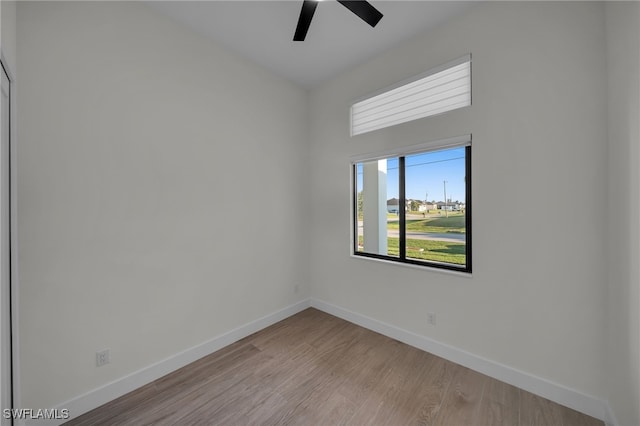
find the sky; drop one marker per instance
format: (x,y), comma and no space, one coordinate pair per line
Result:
(425,175)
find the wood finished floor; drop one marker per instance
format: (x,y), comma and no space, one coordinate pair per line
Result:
(316,369)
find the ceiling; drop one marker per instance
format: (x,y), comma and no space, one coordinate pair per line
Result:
(262,31)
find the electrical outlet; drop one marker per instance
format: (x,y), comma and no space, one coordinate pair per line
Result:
(431,318)
(102,358)
(296,288)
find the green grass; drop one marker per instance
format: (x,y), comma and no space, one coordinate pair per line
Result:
(454,224)
(436,251)
(389,215)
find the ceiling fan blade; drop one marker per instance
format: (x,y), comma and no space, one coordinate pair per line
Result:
(306,13)
(364,10)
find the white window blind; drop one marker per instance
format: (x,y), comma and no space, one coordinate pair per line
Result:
(442,89)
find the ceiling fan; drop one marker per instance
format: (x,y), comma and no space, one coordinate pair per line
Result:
(361,8)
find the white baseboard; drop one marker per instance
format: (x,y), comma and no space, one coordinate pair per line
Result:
(97,397)
(610,419)
(555,392)
(560,394)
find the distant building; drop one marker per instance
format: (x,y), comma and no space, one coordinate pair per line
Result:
(392,206)
(450,206)
(429,206)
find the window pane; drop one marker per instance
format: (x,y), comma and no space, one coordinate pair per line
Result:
(377,207)
(436,195)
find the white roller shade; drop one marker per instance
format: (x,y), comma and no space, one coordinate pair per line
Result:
(436,92)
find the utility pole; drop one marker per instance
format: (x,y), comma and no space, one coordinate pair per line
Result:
(444,182)
(426,200)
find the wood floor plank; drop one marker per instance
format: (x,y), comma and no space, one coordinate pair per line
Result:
(462,398)
(316,369)
(500,404)
(573,418)
(538,411)
(391,399)
(336,409)
(372,391)
(431,394)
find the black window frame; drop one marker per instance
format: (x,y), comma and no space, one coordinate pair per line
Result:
(402,258)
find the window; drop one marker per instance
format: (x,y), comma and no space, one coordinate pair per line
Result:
(415,206)
(439,90)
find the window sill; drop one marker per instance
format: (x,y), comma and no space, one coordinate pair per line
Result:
(461,274)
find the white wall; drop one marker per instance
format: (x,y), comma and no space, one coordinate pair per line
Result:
(623,344)
(535,300)
(136,137)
